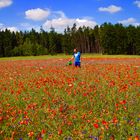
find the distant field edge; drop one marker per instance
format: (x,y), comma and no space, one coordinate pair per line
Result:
(67,56)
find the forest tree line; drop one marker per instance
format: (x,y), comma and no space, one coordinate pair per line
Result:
(104,39)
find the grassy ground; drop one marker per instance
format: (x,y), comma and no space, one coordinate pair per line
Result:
(67,56)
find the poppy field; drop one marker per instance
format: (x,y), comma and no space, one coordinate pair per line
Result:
(45,99)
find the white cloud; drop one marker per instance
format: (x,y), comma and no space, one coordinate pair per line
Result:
(110,9)
(37,14)
(85,22)
(57,14)
(5,3)
(57,19)
(11,28)
(129,21)
(61,22)
(137,3)
(136,24)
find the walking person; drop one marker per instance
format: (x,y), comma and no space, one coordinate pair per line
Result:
(77,58)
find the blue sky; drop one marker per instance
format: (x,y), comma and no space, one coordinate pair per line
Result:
(27,14)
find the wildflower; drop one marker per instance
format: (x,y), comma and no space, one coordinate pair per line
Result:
(68,138)
(70,85)
(112,137)
(130,138)
(61,109)
(88,121)
(85,94)
(136,138)
(91,137)
(84,132)
(123,102)
(104,122)
(115,120)
(138,84)
(43,132)
(59,131)
(22,122)
(1,118)
(31,133)
(69,123)
(95,125)
(111,84)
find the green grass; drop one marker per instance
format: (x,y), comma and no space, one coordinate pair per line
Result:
(42,57)
(67,56)
(110,56)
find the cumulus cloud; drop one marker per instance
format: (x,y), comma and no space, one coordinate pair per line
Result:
(85,22)
(61,22)
(137,3)
(11,28)
(37,14)
(57,19)
(136,24)
(110,9)
(129,21)
(5,3)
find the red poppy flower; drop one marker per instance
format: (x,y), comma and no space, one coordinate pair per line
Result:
(96,125)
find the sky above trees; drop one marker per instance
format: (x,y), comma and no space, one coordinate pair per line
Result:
(26,14)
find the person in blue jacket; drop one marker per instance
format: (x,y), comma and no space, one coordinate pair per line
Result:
(77,58)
